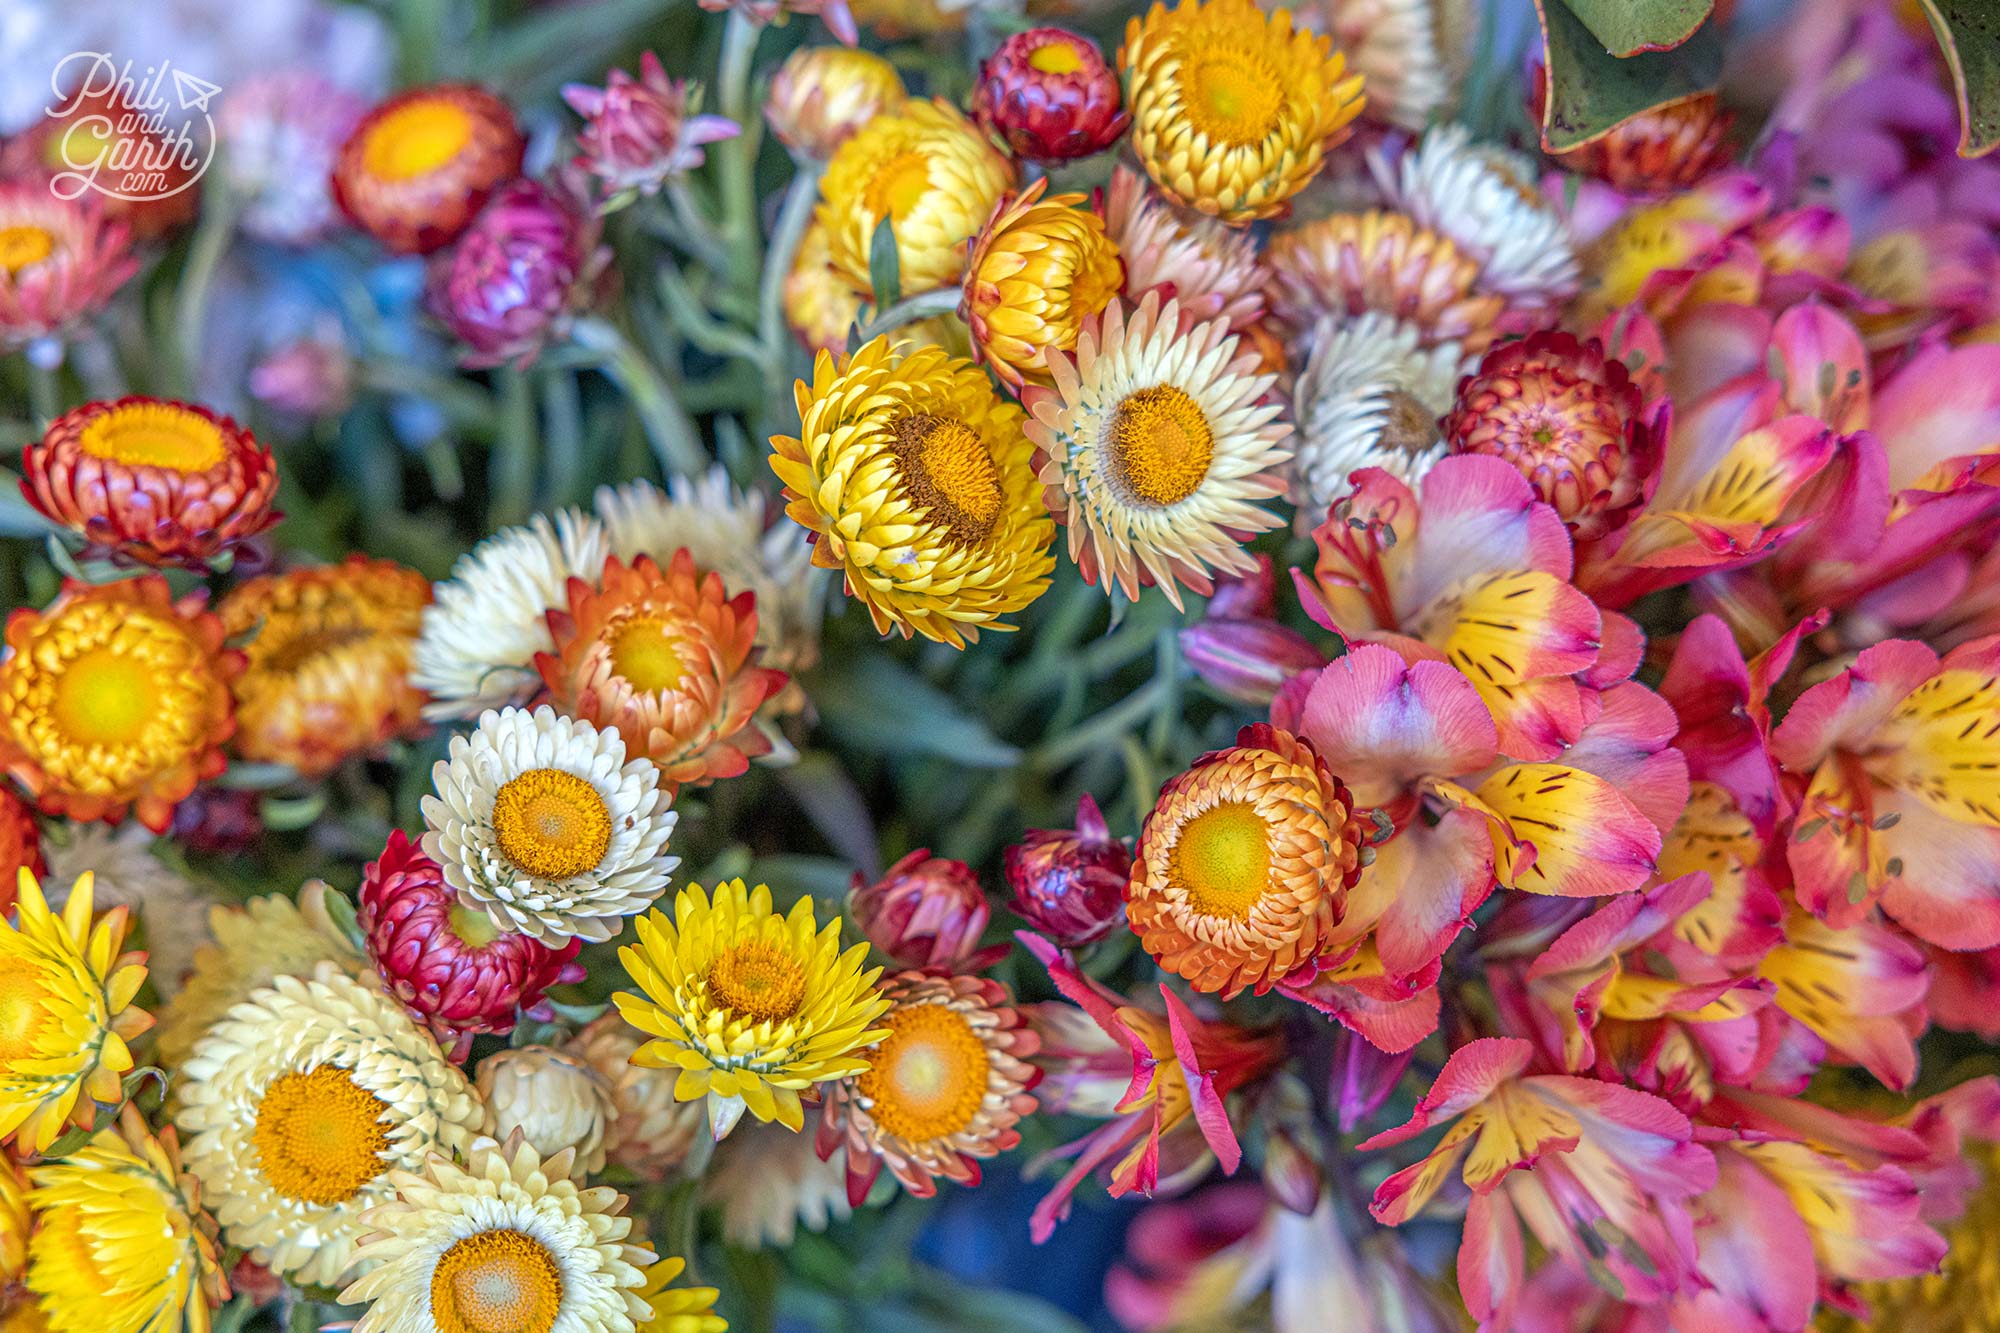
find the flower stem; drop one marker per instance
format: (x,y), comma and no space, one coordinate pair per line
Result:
(794,216)
(738,156)
(44,393)
(211,240)
(909,310)
(669,429)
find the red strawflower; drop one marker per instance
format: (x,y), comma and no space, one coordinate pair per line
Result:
(450,965)
(1049,95)
(419,167)
(925,911)
(1070,883)
(20,844)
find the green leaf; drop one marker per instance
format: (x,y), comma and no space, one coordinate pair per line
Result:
(576,1015)
(1969,32)
(288,814)
(340,910)
(1591,91)
(879,705)
(884,269)
(1627,27)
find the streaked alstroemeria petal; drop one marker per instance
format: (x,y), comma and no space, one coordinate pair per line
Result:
(1382,724)
(1469,1077)
(1864,1222)
(1822,366)
(1630,745)
(1943,877)
(1846,711)
(1943,404)
(1858,988)
(1588,839)
(1423,888)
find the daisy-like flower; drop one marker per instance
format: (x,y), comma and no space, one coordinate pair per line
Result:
(299,1103)
(729,531)
(639,133)
(121,1244)
(650,1133)
(820,304)
(418,167)
(553,1100)
(678,1309)
(1232,109)
(508,1242)
(173,923)
(667,660)
(60,260)
(767,1182)
(16,1222)
(752,1007)
(944,1089)
(1211,269)
(927,171)
(1347,264)
(151,481)
(1157,439)
(266,938)
(1050,95)
(1039,268)
(329,654)
(1488,201)
(822,95)
(1244,864)
(540,822)
(917,483)
(66,994)
(1371,395)
(480,636)
(1401,48)
(115,698)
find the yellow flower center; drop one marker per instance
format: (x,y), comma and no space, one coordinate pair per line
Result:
(1055,58)
(319,1135)
(1233,96)
(24,245)
(496,1282)
(897,186)
(24,1010)
(648,655)
(928,1077)
(1160,446)
(551,824)
(1222,860)
(162,435)
(757,980)
(416,139)
(105,697)
(948,473)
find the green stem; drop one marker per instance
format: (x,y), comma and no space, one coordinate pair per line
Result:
(703,329)
(1098,731)
(737,157)
(669,429)
(211,241)
(909,310)
(794,216)
(513,466)
(691,229)
(44,392)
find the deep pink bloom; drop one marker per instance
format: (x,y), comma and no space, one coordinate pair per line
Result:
(926,912)
(638,133)
(505,287)
(69,259)
(1070,883)
(1049,95)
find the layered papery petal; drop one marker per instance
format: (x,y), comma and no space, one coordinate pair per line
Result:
(1383,723)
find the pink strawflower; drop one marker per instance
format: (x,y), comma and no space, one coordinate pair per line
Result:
(638,133)
(279,134)
(507,285)
(60,260)
(926,912)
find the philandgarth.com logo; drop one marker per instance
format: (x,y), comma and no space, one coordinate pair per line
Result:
(128,136)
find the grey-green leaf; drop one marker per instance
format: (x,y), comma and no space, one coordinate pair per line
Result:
(884,269)
(1627,27)
(1592,91)
(1969,31)
(876,703)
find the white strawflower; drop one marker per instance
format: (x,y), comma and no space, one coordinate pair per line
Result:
(556,1101)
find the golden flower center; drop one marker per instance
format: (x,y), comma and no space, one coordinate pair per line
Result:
(1055,58)
(23,245)
(948,473)
(928,1077)
(319,1135)
(496,1282)
(24,1011)
(1222,860)
(897,186)
(105,697)
(551,824)
(163,435)
(1160,446)
(757,980)
(1233,96)
(646,652)
(416,139)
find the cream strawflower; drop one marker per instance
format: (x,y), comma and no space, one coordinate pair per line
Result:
(541,823)
(1399,47)
(733,533)
(297,1105)
(488,620)
(1486,199)
(768,1181)
(507,1243)
(1157,440)
(171,916)
(264,939)
(1210,268)
(1370,396)
(650,1132)
(556,1101)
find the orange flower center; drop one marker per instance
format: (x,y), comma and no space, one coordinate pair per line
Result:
(163,435)
(551,824)
(1222,860)
(648,655)
(897,186)
(319,1136)
(22,246)
(928,1077)
(105,697)
(948,473)
(1055,58)
(757,980)
(416,139)
(1160,446)
(1233,95)
(496,1282)
(24,1011)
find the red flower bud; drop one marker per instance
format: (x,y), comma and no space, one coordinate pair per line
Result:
(1049,95)
(1070,883)
(926,911)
